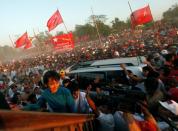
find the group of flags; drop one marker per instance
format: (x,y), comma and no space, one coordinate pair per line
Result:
(138,17)
(64,40)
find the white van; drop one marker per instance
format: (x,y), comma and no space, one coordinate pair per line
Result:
(109,70)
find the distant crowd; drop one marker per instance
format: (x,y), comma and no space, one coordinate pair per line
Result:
(41,83)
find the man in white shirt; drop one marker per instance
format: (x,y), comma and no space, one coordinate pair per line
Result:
(81,104)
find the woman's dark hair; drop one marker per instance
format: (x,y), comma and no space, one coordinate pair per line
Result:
(151,85)
(50,74)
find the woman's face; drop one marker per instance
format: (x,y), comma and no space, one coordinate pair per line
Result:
(53,85)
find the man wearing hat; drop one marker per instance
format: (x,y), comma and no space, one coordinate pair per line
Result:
(63,76)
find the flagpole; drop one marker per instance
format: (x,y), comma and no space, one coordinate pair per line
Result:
(37,39)
(138,57)
(130,7)
(152,16)
(11,41)
(157,39)
(65,26)
(96,26)
(131,11)
(64,23)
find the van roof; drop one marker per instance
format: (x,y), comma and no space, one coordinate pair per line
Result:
(135,69)
(130,61)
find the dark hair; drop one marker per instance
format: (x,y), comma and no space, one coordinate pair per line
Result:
(176,63)
(50,74)
(74,86)
(66,81)
(168,57)
(151,85)
(32,98)
(86,83)
(154,74)
(146,68)
(129,71)
(15,99)
(13,86)
(166,71)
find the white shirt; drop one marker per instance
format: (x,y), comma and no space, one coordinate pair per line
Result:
(84,106)
(106,122)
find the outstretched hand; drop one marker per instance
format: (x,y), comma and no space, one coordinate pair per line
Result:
(122,66)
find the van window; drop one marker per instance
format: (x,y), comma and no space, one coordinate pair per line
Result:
(116,77)
(89,77)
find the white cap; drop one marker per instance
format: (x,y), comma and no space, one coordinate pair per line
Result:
(172,106)
(164,52)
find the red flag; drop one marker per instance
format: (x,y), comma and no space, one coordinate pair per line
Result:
(54,21)
(28,43)
(22,40)
(141,16)
(64,41)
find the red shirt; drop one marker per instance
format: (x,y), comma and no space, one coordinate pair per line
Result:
(174,73)
(146,126)
(174,94)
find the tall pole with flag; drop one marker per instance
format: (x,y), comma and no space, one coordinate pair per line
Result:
(55,20)
(94,21)
(141,16)
(132,26)
(36,37)
(11,41)
(132,16)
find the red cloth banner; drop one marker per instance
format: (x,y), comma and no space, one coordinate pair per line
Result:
(54,21)
(141,16)
(23,41)
(63,42)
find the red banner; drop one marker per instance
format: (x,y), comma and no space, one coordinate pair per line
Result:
(54,21)
(63,42)
(23,41)
(141,16)
(28,44)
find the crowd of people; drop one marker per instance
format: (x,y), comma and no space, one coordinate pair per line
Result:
(41,84)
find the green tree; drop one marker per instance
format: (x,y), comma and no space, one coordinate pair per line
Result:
(101,18)
(59,32)
(171,15)
(98,21)
(103,29)
(118,25)
(83,30)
